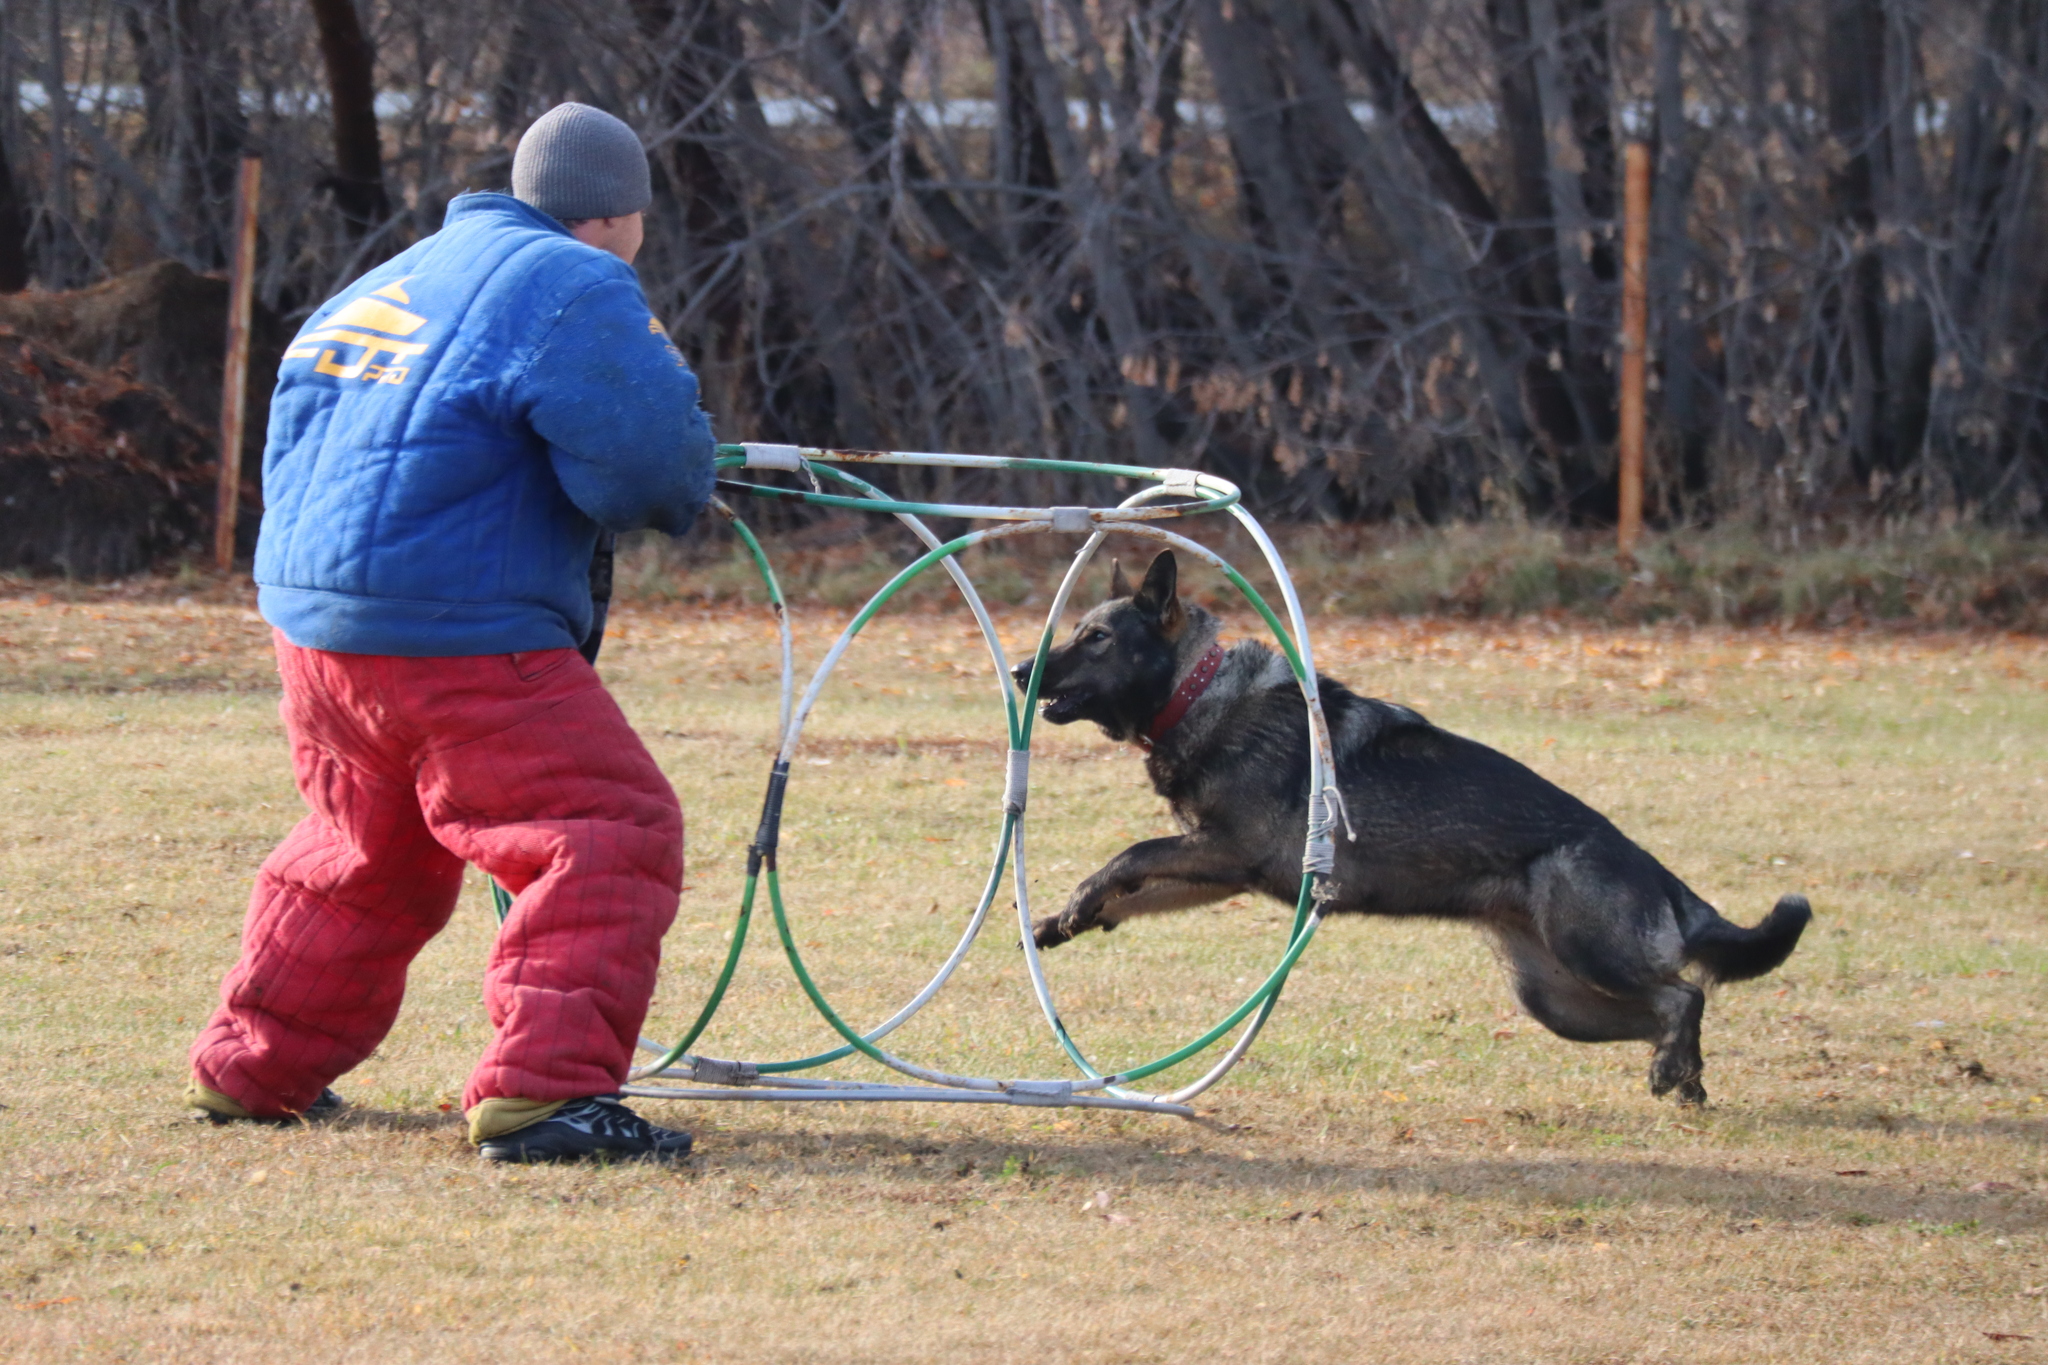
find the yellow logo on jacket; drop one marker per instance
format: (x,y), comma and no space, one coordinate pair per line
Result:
(358,325)
(654,328)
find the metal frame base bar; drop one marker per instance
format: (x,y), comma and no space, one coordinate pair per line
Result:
(930,1094)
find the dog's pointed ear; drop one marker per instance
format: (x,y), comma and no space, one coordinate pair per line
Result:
(1159,594)
(1119,586)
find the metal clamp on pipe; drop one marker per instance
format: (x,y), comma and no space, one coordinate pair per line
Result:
(1074,520)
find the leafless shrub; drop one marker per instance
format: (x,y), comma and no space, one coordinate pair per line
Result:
(1359,255)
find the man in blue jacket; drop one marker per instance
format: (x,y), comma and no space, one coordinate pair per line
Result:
(448,439)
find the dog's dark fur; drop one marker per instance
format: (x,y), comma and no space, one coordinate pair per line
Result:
(1597,934)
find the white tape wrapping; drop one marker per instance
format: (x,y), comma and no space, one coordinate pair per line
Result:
(1320,855)
(1039,1092)
(1019,782)
(714,1071)
(1182,481)
(1072,519)
(761,456)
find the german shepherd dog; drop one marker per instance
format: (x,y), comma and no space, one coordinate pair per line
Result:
(1596,933)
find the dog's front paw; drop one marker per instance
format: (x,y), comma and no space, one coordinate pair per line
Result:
(1051,931)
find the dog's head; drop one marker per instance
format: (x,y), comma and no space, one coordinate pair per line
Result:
(1118,666)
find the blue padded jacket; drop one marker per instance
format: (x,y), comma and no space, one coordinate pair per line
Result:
(449,434)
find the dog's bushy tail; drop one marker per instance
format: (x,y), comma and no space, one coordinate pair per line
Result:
(1728,952)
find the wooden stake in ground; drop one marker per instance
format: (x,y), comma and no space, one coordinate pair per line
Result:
(234,388)
(1635,326)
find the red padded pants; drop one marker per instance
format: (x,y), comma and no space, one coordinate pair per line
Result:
(521,764)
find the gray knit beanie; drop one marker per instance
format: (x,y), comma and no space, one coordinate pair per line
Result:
(579,162)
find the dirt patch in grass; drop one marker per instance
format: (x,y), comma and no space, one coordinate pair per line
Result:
(1405,1169)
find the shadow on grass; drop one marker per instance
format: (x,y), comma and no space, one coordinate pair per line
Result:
(392,1121)
(1553,1182)
(2032,1132)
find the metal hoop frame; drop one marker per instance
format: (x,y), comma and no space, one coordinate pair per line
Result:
(1169,494)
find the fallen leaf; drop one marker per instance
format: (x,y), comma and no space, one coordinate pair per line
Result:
(1855,1172)
(1393,1096)
(2008,1336)
(258,1177)
(1501,1035)
(44,1303)
(1688,1128)
(1994,1187)
(1118,1218)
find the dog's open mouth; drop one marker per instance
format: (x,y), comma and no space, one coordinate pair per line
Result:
(1063,708)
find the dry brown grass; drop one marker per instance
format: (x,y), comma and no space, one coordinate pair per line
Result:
(1403,1171)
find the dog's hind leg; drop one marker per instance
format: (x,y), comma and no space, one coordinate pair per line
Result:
(1613,931)
(1680,1005)
(1560,1001)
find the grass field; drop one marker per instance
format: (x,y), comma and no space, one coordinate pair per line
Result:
(1404,1170)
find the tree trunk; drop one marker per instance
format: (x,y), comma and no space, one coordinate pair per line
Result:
(14,273)
(1566,418)
(1855,305)
(190,70)
(1685,413)
(358,180)
(1022,163)
(1097,225)
(1994,221)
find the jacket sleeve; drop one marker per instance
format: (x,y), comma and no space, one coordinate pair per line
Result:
(617,405)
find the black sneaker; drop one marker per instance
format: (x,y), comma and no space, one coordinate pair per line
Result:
(324,1107)
(598,1126)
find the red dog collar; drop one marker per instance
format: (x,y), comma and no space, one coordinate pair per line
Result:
(1184,696)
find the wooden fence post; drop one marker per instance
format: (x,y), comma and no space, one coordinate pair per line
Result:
(234,389)
(1635,327)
